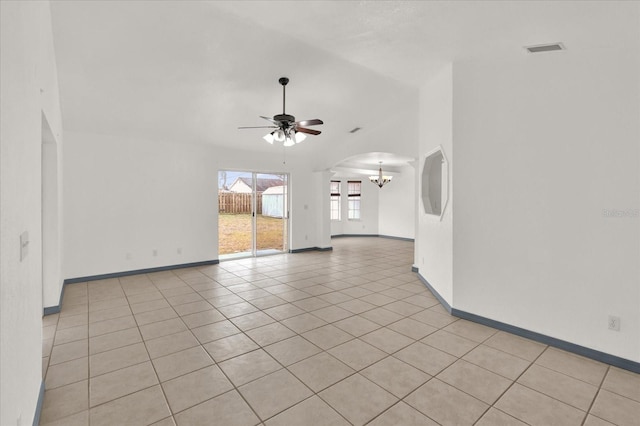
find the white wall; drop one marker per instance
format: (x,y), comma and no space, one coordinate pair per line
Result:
(368,222)
(543,144)
(28,88)
(322,202)
(397,205)
(126,196)
(434,236)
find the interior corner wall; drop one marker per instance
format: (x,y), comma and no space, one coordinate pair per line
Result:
(28,87)
(397,205)
(434,235)
(547,177)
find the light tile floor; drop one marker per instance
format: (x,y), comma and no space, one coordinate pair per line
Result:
(347,337)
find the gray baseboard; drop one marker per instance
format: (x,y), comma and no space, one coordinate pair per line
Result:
(353,235)
(538,337)
(392,237)
(139,271)
(373,235)
(302,250)
(443,302)
(551,341)
(50,310)
(36,415)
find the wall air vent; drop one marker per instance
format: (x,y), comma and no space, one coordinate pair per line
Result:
(355,129)
(550,47)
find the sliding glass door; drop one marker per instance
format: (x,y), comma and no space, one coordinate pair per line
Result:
(272,212)
(252,213)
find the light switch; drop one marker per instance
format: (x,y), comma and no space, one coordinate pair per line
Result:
(24,245)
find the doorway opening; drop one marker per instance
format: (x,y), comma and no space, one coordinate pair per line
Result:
(253,214)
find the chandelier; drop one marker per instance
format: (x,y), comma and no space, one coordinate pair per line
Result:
(380,180)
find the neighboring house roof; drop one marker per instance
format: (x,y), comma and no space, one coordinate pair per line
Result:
(262,184)
(274,190)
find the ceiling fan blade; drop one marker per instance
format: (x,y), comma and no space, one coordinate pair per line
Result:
(313,122)
(308,131)
(268,119)
(258,127)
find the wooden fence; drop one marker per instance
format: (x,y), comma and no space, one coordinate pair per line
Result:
(237,203)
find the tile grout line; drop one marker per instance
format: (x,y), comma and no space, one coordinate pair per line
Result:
(434,376)
(144,342)
(235,387)
(199,345)
(593,401)
(354,338)
(287,368)
(260,347)
(516,381)
(108,372)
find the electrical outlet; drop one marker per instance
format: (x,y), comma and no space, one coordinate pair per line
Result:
(614,323)
(155,252)
(128,256)
(179,250)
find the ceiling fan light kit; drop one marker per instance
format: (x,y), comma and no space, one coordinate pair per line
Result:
(288,131)
(288,139)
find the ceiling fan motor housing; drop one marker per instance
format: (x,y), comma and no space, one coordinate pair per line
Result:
(285,118)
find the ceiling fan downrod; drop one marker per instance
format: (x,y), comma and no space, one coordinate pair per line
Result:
(284,118)
(283,81)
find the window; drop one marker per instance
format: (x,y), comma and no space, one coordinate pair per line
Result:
(354,198)
(335,200)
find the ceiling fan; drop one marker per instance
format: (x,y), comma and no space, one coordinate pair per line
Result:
(287,129)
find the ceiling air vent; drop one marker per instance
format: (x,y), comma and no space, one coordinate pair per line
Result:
(545,48)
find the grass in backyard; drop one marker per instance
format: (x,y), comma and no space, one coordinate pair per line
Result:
(234,233)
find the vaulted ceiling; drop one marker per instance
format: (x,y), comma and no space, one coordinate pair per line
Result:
(193,71)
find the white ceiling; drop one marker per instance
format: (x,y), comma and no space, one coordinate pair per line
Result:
(193,71)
